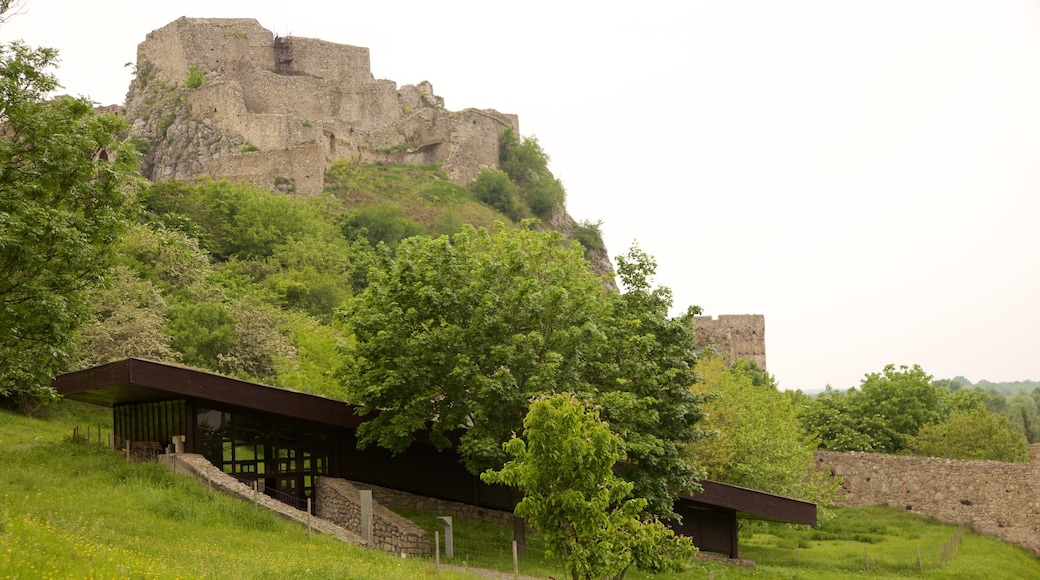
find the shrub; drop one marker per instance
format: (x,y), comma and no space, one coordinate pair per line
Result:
(380,223)
(195,77)
(543,194)
(494,188)
(589,235)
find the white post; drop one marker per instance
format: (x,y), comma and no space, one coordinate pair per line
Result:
(449,537)
(516,563)
(437,548)
(366,515)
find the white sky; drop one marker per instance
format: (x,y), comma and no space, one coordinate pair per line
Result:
(864,174)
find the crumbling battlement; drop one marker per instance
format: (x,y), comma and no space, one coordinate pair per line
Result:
(735,336)
(261,98)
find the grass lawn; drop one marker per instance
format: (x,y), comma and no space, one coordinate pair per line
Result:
(74,510)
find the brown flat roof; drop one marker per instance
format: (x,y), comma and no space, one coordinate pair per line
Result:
(137,381)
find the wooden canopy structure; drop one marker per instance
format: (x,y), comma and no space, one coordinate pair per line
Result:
(285,439)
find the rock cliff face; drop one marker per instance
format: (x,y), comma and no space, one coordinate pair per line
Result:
(226,98)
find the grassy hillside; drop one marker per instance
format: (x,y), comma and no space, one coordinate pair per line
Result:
(74,510)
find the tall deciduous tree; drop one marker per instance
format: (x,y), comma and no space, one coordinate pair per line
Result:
(460,334)
(564,465)
(65,191)
(758,440)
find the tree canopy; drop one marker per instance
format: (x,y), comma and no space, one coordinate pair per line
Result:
(66,189)
(757,438)
(456,336)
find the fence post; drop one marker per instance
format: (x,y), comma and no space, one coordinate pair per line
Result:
(308,517)
(920,563)
(255,498)
(516,564)
(437,549)
(128,442)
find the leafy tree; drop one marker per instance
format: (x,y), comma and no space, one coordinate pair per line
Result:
(202,333)
(564,466)
(641,377)
(889,407)
(495,189)
(129,315)
(527,165)
(759,441)
(461,333)
(66,187)
(543,194)
(258,344)
(975,434)
(522,159)
(832,419)
(318,349)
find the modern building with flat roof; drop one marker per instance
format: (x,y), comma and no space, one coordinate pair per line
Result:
(284,440)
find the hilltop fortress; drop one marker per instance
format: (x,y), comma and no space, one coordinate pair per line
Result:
(229,99)
(226,98)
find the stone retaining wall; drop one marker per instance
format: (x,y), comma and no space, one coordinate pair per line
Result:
(994,498)
(395,499)
(338,500)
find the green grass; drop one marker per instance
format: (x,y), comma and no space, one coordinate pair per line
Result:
(74,510)
(885,539)
(423,193)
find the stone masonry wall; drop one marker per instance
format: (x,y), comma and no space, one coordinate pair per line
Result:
(998,499)
(393,498)
(735,336)
(338,501)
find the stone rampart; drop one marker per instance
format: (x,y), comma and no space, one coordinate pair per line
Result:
(338,501)
(994,498)
(735,336)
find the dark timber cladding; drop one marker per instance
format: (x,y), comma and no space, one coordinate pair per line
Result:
(285,439)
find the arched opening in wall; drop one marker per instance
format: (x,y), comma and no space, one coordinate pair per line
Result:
(332,143)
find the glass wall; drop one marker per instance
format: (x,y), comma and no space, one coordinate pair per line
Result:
(154,422)
(280,454)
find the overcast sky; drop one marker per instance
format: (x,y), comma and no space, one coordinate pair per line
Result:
(864,174)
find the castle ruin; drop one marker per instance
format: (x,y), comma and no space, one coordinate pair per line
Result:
(734,336)
(229,99)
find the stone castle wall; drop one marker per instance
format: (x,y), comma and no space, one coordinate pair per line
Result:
(270,94)
(735,336)
(999,499)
